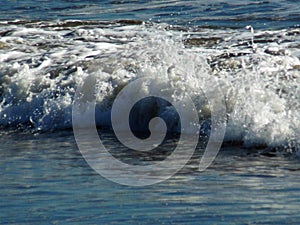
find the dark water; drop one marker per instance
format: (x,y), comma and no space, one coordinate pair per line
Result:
(232,13)
(44,180)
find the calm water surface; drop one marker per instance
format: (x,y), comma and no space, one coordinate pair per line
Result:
(231,13)
(44,179)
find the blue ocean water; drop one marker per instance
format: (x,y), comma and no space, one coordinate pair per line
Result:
(48,47)
(44,179)
(232,13)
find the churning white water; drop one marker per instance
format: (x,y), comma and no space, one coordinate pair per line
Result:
(42,64)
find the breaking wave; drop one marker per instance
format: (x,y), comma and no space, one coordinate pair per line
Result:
(42,64)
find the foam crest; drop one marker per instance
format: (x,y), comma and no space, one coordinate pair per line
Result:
(43,63)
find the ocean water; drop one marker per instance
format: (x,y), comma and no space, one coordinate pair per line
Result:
(250,49)
(44,179)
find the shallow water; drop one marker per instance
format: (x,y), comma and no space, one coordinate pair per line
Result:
(44,179)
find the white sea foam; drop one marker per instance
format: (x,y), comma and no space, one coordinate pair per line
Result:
(42,64)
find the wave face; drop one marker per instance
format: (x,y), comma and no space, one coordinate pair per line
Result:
(42,63)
